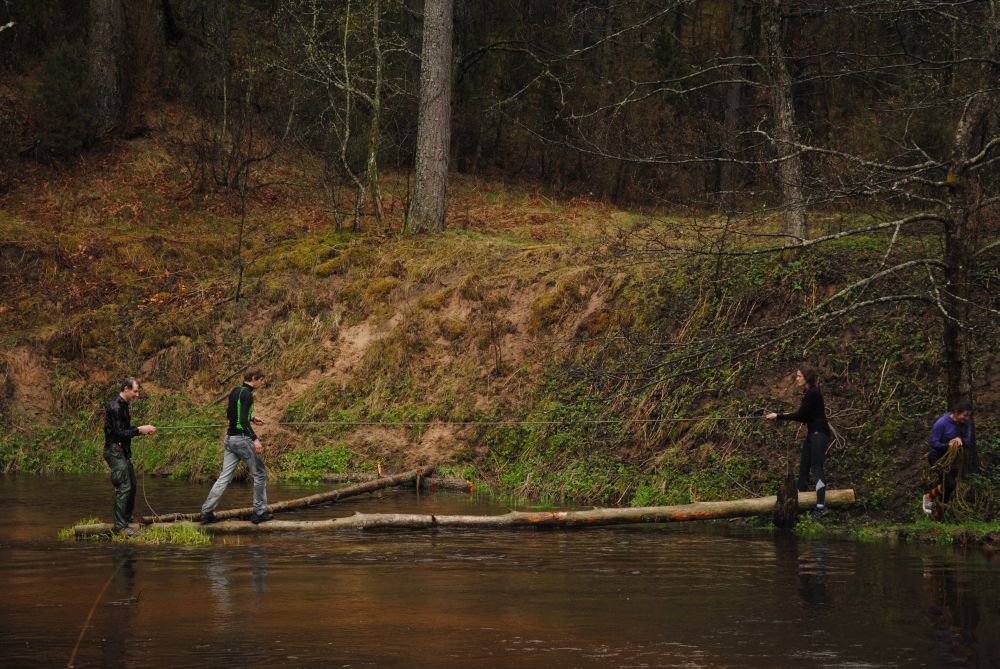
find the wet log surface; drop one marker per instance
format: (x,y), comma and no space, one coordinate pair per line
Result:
(302,502)
(428,483)
(517,519)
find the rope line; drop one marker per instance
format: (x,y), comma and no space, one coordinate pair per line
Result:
(413,423)
(90,616)
(970,499)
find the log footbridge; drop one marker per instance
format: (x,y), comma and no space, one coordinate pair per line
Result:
(230,522)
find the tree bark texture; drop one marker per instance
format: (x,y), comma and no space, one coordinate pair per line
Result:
(785,132)
(430,189)
(429,483)
(734,100)
(962,215)
(107,26)
(519,519)
(303,502)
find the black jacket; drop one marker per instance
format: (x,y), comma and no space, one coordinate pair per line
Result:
(812,412)
(118,425)
(240,412)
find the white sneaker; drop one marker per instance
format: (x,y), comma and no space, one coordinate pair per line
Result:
(928,505)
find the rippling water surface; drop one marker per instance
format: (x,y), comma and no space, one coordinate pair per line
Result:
(651,596)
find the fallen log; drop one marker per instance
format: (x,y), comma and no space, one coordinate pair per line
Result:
(428,483)
(519,519)
(301,502)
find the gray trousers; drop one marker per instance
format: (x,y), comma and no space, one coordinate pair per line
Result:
(239,447)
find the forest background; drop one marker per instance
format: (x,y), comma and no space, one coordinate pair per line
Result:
(566,249)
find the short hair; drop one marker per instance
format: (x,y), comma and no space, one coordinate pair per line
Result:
(253,374)
(128,383)
(963,406)
(809,374)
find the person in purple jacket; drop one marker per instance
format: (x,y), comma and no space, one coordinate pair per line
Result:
(953,429)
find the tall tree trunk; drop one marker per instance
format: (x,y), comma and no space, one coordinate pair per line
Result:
(430,188)
(107,25)
(785,132)
(371,175)
(734,100)
(964,195)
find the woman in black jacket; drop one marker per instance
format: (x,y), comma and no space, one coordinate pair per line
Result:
(813,414)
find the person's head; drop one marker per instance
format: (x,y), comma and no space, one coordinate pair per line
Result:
(805,376)
(253,377)
(961,412)
(129,388)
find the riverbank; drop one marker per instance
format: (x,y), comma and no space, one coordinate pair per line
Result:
(528,347)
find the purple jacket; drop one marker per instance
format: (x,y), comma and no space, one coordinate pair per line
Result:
(944,430)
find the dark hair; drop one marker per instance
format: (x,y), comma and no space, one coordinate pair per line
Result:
(252,374)
(809,374)
(963,406)
(128,383)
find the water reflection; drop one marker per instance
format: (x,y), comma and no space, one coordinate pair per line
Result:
(953,614)
(121,599)
(812,575)
(718,596)
(217,573)
(258,568)
(807,561)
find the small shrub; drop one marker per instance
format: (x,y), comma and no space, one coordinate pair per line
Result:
(471,288)
(434,301)
(379,289)
(552,306)
(452,329)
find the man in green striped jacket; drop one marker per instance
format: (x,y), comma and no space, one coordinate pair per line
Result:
(242,444)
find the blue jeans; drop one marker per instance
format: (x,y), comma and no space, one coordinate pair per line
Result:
(239,447)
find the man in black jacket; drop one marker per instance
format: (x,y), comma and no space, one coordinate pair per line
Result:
(241,444)
(118,433)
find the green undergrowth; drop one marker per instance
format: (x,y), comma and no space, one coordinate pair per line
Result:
(179,535)
(67,534)
(926,530)
(626,378)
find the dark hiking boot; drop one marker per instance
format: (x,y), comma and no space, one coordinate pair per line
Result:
(819,512)
(256,519)
(126,531)
(207,517)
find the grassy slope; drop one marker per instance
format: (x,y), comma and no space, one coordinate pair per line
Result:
(115,266)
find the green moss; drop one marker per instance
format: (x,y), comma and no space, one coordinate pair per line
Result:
(378,290)
(554,304)
(925,530)
(434,301)
(334,266)
(177,535)
(353,293)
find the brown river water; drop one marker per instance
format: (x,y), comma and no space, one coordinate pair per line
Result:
(714,595)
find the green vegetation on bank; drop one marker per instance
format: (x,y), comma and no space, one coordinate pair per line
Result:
(535,357)
(179,535)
